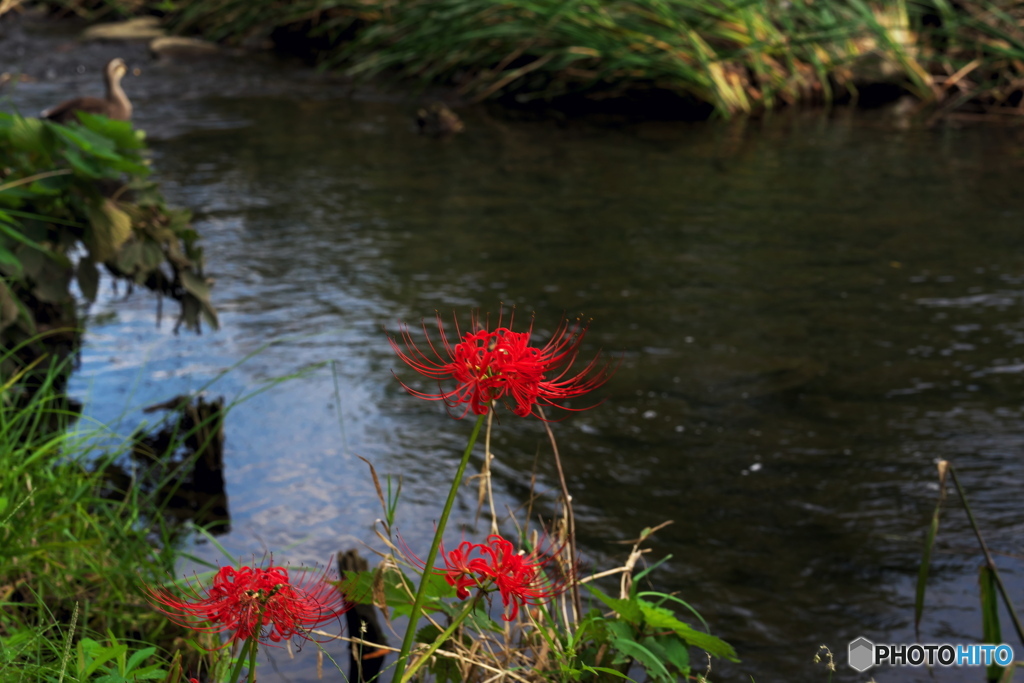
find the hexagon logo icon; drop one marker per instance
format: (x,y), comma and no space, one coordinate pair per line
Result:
(862,654)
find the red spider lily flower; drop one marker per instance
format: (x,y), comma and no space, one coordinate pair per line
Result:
(461,571)
(254,603)
(519,578)
(500,364)
(496,566)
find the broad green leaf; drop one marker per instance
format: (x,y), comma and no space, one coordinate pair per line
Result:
(623,641)
(137,658)
(670,649)
(129,258)
(121,132)
(110,228)
(99,655)
(358,588)
(87,141)
(427,634)
(659,618)
(627,609)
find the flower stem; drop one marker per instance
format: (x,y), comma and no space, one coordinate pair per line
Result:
(252,663)
(421,592)
(242,656)
(441,639)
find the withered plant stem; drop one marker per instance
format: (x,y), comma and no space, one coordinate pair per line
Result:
(988,556)
(567,501)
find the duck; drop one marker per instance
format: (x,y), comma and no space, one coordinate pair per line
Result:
(437,120)
(114,106)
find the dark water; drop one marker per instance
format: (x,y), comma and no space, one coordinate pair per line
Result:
(811,310)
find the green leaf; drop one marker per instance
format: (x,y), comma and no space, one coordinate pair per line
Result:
(26,134)
(929,542)
(111,228)
(129,258)
(358,588)
(9,263)
(120,132)
(428,634)
(137,658)
(990,629)
(640,575)
(93,655)
(195,285)
(659,619)
(670,649)
(622,641)
(605,669)
(627,609)
(479,620)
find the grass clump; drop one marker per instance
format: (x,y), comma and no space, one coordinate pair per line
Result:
(73,551)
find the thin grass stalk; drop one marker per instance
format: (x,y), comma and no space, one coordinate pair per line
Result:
(571,531)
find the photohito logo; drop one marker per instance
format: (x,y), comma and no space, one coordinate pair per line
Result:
(863,654)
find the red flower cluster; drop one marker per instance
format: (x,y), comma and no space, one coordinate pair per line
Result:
(493,365)
(496,565)
(254,603)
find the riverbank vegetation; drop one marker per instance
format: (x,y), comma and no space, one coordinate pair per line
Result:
(81,526)
(74,547)
(724,56)
(73,200)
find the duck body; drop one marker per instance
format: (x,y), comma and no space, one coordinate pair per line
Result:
(114,106)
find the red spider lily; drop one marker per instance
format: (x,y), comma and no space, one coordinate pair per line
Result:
(495,565)
(500,364)
(461,574)
(519,578)
(254,603)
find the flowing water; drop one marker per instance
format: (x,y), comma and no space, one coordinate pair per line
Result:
(810,311)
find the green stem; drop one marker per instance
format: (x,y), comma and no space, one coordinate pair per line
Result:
(241,661)
(421,592)
(441,639)
(252,662)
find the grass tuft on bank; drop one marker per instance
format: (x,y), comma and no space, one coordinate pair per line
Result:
(75,551)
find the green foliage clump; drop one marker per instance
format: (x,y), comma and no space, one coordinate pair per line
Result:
(82,190)
(74,550)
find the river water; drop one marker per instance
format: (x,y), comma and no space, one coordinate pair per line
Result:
(810,310)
